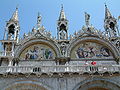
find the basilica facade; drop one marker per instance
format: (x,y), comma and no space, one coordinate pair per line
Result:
(87,60)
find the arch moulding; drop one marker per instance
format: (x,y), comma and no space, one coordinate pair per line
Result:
(97,82)
(27,85)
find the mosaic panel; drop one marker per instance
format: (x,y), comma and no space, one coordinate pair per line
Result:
(91,50)
(38,51)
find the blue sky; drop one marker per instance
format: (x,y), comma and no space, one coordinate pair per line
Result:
(50,9)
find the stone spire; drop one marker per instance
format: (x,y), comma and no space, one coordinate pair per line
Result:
(39,18)
(110,24)
(15,15)
(62,14)
(107,13)
(62,28)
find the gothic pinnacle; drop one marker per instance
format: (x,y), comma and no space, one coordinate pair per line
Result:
(107,12)
(62,14)
(15,15)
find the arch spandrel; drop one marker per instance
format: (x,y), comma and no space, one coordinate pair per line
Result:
(88,49)
(37,51)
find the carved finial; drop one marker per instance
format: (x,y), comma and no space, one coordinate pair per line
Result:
(118,18)
(49,34)
(71,37)
(29,33)
(34,30)
(42,28)
(75,33)
(25,35)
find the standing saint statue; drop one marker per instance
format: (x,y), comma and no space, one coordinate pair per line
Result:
(62,35)
(87,19)
(39,18)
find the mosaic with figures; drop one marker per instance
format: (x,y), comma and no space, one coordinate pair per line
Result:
(38,52)
(91,50)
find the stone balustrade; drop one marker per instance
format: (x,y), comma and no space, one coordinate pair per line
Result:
(60,69)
